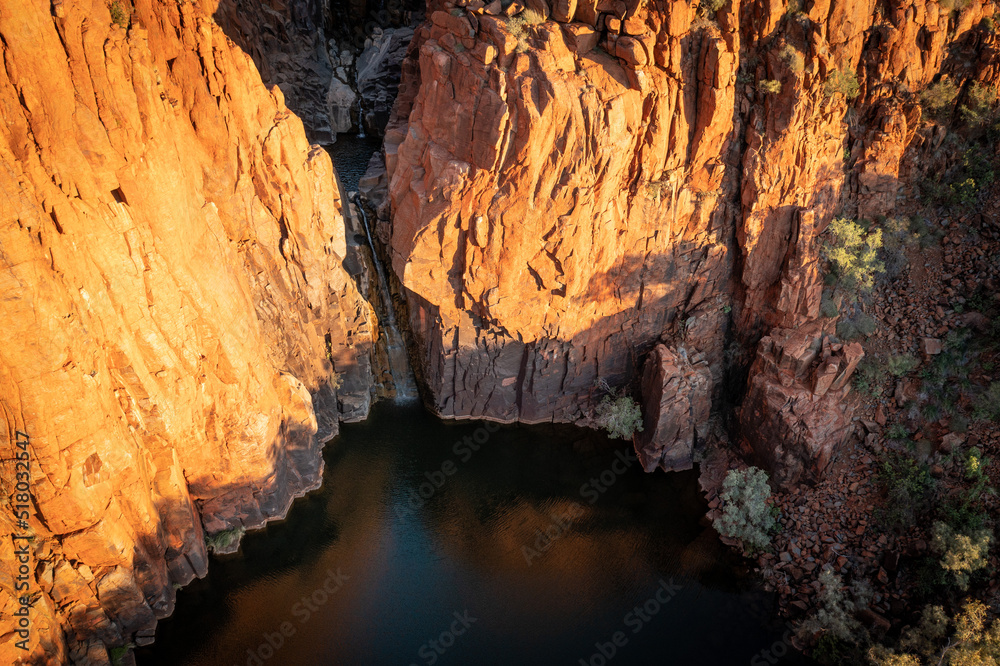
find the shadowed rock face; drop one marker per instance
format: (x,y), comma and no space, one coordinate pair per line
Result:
(174,305)
(557,209)
(793,417)
(677,401)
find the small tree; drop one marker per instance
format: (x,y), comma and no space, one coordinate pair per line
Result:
(746,513)
(938,99)
(620,416)
(902,364)
(792,58)
(854,253)
(979,102)
(970,643)
(836,608)
(961,554)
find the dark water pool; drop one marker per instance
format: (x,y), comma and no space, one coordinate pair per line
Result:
(350,156)
(470,543)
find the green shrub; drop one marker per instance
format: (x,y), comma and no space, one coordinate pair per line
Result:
(827,306)
(902,364)
(224,539)
(746,512)
(974,464)
(898,432)
(861,325)
(961,554)
(842,82)
(117,653)
(837,605)
(853,253)
(792,58)
(926,235)
(118,13)
(987,405)
(769,86)
(939,98)
(897,237)
(517,26)
(907,485)
(620,416)
(970,643)
(945,380)
(962,183)
(713,5)
(869,376)
(979,103)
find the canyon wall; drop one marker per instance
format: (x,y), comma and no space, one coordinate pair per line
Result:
(179,334)
(566,193)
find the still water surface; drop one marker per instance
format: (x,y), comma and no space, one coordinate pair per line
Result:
(626,552)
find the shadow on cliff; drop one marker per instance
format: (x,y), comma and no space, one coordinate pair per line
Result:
(475,371)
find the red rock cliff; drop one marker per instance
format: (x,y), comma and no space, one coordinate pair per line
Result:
(173,308)
(567,193)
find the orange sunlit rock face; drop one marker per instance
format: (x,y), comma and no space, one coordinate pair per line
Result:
(173,296)
(625,174)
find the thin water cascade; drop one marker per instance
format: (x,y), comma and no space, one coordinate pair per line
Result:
(361,117)
(399,362)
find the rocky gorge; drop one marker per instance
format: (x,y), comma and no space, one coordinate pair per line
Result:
(569,196)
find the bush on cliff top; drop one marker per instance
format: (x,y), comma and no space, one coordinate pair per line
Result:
(746,512)
(118,13)
(517,26)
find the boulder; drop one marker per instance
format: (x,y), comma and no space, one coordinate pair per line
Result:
(676,402)
(794,417)
(378,73)
(341,104)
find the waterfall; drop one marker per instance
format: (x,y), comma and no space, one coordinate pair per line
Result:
(399,363)
(361,124)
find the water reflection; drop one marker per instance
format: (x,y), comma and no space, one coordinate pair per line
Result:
(416,540)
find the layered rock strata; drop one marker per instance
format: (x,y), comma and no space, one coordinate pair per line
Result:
(288,43)
(176,319)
